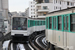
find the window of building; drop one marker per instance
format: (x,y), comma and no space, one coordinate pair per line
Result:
(31,5)
(46,1)
(44,13)
(72,4)
(37,15)
(59,23)
(56,7)
(60,8)
(44,7)
(60,2)
(56,1)
(72,23)
(67,3)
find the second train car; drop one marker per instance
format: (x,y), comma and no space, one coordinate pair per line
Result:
(60,29)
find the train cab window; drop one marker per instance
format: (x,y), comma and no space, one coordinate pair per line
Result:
(19,23)
(50,22)
(59,23)
(72,22)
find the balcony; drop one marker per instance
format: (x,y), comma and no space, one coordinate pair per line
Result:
(42,10)
(40,16)
(39,1)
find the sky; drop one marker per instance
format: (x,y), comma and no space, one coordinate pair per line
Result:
(18,5)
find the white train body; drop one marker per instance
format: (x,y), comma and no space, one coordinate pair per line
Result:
(37,27)
(63,37)
(20,28)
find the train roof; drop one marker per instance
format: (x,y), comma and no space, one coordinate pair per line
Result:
(63,11)
(36,18)
(19,16)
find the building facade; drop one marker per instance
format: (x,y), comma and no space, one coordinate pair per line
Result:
(32,8)
(4,8)
(45,6)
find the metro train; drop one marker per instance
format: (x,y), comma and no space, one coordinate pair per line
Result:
(22,28)
(60,29)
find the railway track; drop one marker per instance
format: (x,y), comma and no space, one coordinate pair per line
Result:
(38,43)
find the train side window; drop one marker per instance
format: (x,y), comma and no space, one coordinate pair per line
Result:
(30,23)
(50,22)
(44,22)
(54,22)
(72,22)
(47,22)
(37,22)
(59,23)
(67,22)
(41,22)
(64,23)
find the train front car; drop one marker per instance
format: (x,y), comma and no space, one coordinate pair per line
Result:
(19,29)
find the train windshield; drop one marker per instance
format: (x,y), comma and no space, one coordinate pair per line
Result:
(19,23)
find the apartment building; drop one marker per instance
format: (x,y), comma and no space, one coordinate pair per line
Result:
(4,8)
(32,8)
(45,6)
